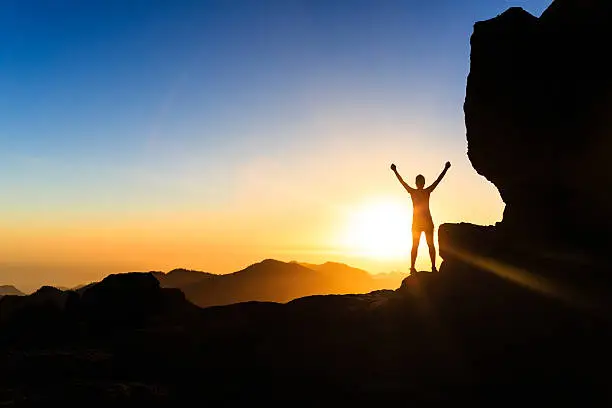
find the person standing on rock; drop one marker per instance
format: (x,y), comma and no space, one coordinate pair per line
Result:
(421,216)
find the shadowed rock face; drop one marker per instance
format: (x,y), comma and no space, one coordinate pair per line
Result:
(538,113)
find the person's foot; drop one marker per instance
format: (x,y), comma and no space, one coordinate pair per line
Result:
(433,269)
(413,271)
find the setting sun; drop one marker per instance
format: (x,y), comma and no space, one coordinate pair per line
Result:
(379,229)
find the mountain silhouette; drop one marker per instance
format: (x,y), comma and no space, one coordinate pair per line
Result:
(128,300)
(273,281)
(10,290)
(119,300)
(45,298)
(178,278)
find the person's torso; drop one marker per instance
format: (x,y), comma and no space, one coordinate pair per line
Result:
(420,203)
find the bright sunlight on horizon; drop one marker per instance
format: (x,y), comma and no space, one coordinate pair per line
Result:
(380,230)
(210,135)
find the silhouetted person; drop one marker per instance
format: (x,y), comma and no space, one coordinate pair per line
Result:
(421,217)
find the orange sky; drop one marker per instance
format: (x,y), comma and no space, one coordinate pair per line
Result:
(310,206)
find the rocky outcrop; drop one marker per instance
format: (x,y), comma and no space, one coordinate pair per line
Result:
(538,113)
(46,298)
(128,299)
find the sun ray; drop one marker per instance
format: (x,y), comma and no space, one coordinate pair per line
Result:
(523,277)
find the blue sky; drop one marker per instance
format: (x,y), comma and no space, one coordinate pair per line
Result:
(91,88)
(111,107)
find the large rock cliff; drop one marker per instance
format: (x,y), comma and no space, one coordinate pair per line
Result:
(538,113)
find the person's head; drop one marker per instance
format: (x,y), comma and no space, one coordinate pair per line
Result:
(420,181)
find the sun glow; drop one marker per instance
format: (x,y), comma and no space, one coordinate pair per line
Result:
(379,229)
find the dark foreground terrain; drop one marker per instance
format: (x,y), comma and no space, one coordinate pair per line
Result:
(463,335)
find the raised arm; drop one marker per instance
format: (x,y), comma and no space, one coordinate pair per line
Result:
(440,177)
(406,186)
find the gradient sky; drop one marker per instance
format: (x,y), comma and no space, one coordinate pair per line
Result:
(148,135)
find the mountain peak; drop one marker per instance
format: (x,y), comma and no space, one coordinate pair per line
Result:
(47,291)
(516,12)
(185,271)
(270,263)
(330,263)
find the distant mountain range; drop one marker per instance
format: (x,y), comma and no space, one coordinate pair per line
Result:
(274,281)
(9,290)
(269,280)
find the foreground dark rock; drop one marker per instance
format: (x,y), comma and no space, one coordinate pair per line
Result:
(463,337)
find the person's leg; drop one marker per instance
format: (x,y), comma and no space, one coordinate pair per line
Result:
(429,236)
(416,237)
